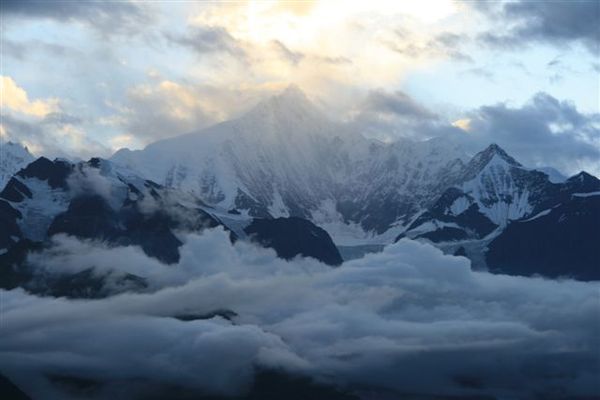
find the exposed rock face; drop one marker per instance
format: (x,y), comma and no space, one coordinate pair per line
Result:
(294,236)
(100,201)
(514,212)
(559,242)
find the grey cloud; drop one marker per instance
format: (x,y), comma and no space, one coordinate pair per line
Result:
(482,72)
(292,57)
(409,320)
(555,22)
(392,115)
(295,57)
(203,40)
(44,134)
(544,131)
(108,17)
(446,44)
(554,63)
(162,109)
(60,118)
(22,50)
(335,60)
(159,113)
(398,103)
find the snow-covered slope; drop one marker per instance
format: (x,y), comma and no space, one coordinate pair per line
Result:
(285,157)
(13,157)
(554,175)
(492,180)
(493,193)
(103,201)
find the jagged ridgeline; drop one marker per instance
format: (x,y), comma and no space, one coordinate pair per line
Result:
(285,176)
(98,200)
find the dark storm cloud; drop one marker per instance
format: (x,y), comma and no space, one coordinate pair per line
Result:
(556,22)
(108,17)
(203,40)
(543,131)
(409,319)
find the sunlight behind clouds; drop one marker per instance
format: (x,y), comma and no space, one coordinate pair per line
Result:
(181,66)
(313,43)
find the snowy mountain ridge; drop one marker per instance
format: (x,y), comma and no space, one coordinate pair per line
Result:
(285,157)
(13,157)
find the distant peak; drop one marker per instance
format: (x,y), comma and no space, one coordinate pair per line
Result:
(16,147)
(292,95)
(482,159)
(583,177)
(293,90)
(485,156)
(290,102)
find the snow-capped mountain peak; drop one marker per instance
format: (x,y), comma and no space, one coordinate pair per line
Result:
(13,157)
(582,178)
(493,154)
(289,113)
(292,94)
(286,157)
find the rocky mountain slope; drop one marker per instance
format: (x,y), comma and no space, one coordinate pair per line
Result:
(496,203)
(101,201)
(306,178)
(286,158)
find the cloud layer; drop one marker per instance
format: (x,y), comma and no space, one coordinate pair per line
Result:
(556,22)
(544,131)
(409,319)
(129,73)
(107,17)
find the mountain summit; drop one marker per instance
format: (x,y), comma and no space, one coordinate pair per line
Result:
(493,154)
(13,157)
(285,157)
(291,104)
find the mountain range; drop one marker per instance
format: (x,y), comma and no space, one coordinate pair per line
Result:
(286,176)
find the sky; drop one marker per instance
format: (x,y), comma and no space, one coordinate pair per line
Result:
(85,78)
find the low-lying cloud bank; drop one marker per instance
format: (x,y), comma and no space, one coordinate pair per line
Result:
(409,319)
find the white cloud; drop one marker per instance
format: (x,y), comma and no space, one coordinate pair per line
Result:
(15,98)
(408,319)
